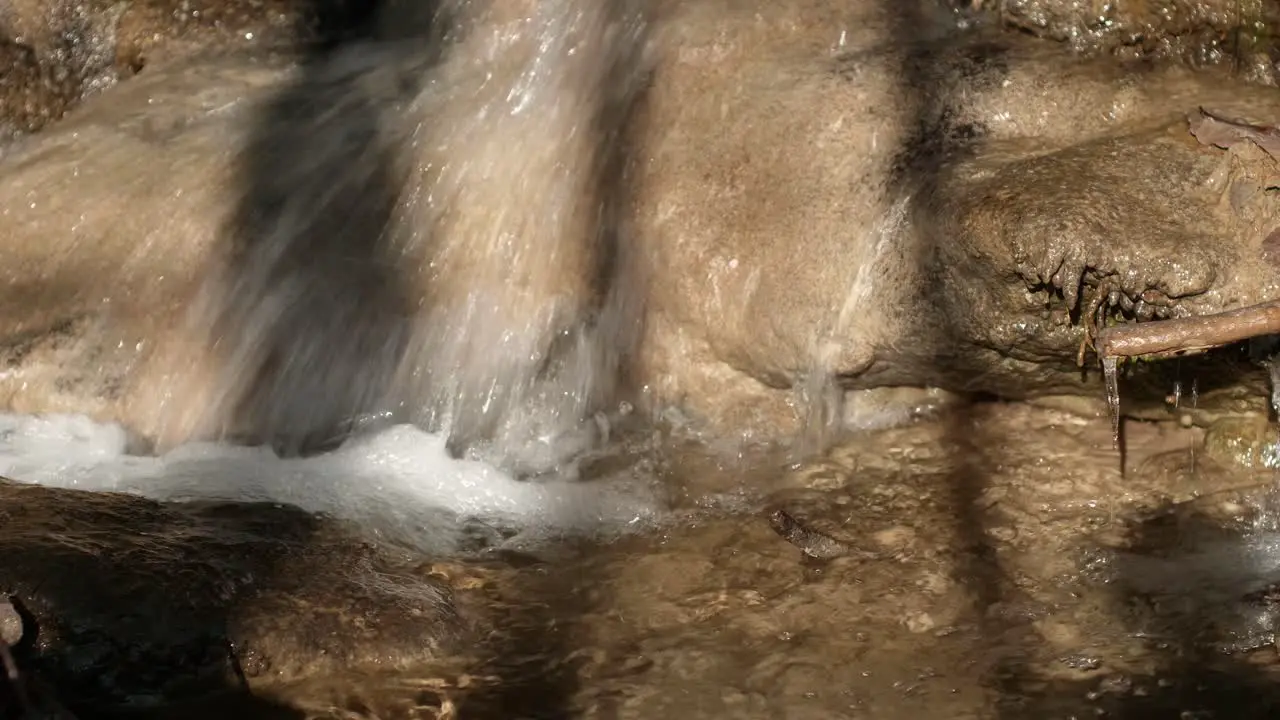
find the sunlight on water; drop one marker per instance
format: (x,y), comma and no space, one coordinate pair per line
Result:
(398,483)
(440,250)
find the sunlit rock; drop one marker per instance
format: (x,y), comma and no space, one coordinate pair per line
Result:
(813,198)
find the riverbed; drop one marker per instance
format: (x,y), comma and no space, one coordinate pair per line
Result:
(990,560)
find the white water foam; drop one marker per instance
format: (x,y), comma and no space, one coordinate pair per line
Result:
(398,483)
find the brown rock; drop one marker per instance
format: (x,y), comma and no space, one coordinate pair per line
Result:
(64,50)
(31,94)
(10,624)
(133,597)
(1209,29)
(767,252)
(812,190)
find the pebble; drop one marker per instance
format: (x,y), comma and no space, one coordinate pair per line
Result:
(10,623)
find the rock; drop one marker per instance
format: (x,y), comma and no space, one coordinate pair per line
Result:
(866,252)
(180,118)
(1195,27)
(10,624)
(814,189)
(135,598)
(31,94)
(1246,442)
(61,51)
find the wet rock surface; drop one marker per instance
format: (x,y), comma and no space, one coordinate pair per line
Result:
(1102,262)
(129,602)
(1107,194)
(56,53)
(976,200)
(987,198)
(1000,565)
(1206,30)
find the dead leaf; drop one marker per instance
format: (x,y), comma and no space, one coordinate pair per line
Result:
(1220,132)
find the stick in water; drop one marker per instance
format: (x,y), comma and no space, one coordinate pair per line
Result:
(1160,339)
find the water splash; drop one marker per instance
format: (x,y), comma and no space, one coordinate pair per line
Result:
(427,235)
(397,484)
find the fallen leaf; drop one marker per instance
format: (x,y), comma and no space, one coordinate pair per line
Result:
(1220,132)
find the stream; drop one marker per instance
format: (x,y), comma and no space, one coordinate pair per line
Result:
(653,358)
(990,560)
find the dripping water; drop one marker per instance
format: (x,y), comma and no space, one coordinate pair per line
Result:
(821,397)
(1274,371)
(1110,373)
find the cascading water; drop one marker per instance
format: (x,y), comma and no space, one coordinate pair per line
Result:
(821,395)
(427,236)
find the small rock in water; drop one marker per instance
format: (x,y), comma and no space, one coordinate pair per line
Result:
(811,542)
(10,623)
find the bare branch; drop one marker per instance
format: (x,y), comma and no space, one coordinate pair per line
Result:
(1187,336)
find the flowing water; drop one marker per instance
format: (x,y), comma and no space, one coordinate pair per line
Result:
(428,306)
(398,483)
(431,243)
(989,561)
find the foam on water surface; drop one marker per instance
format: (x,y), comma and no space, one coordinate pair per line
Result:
(398,483)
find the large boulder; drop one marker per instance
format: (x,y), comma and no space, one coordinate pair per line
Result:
(815,195)
(899,214)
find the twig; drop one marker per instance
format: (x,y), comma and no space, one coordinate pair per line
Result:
(1186,336)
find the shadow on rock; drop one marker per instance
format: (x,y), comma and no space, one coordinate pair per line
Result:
(1199,583)
(312,313)
(132,604)
(935,69)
